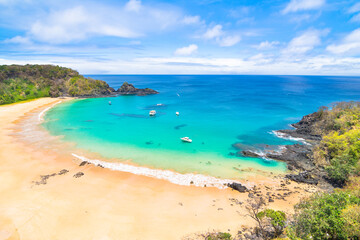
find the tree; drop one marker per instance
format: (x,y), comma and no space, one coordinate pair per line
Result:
(277,220)
(254,207)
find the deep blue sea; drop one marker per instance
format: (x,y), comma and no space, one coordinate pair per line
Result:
(216,112)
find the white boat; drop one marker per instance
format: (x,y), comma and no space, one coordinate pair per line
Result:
(177,113)
(186,139)
(152,113)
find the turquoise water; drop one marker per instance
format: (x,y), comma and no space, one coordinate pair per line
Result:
(216,112)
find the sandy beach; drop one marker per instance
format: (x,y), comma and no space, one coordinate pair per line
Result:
(90,202)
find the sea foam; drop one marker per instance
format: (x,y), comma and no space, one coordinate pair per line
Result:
(188,179)
(288,137)
(41,114)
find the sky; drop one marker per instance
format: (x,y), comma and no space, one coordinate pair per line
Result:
(281,37)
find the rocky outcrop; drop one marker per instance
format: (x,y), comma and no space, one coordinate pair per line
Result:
(305,128)
(303,177)
(297,156)
(237,187)
(129,89)
(249,153)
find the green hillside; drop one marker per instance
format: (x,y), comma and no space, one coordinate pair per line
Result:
(18,83)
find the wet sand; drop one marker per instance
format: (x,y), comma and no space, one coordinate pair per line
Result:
(106,204)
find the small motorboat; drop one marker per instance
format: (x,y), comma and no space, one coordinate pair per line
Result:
(186,139)
(177,113)
(152,113)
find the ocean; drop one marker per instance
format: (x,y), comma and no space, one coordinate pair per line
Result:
(221,114)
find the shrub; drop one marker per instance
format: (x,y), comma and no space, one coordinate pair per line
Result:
(277,220)
(321,216)
(218,236)
(339,170)
(351,216)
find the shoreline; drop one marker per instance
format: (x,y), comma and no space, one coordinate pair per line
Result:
(188,179)
(107,203)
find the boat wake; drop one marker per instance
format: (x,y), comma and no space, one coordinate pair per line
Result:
(188,179)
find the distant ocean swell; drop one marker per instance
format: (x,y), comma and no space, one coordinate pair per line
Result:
(188,179)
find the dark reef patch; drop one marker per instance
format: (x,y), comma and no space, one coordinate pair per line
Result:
(180,126)
(131,115)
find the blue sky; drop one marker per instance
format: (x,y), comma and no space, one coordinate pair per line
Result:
(300,37)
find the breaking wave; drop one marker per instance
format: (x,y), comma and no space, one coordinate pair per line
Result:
(188,179)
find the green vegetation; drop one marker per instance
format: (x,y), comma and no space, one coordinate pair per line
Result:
(328,216)
(335,215)
(339,149)
(219,236)
(277,220)
(18,83)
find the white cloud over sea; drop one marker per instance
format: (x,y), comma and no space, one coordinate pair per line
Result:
(139,36)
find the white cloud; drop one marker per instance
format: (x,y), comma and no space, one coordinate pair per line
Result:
(18,40)
(301,5)
(213,32)
(75,24)
(267,45)
(82,22)
(354,8)
(222,38)
(133,5)
(349,44)
(261,59)
(355,18)
(303,43)
(229,41)
(192,48)
(259,64)
(191,20)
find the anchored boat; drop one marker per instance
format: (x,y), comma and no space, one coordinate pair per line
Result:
(152,113)
(186,139)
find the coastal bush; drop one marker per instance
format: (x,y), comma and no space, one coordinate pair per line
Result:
(339,170)
(339,150)
(351,216)
(219,236)
(224,236)
(277,220)
(14,90)
(325,216)
(18,83)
